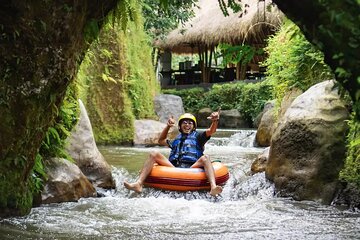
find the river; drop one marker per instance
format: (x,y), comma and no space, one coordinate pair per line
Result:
(247,208)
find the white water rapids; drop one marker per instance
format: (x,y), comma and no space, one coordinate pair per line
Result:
(247,208)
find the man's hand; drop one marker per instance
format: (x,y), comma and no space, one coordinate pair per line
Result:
(214,116)
(163,134)
(171,121)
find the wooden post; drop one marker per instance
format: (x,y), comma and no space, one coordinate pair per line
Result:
(240,71)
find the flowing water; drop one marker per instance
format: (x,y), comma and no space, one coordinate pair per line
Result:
(247,208)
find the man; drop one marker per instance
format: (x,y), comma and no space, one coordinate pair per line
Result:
(186,151)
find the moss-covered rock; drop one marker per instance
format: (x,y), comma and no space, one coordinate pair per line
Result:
(119,83)
(41,44)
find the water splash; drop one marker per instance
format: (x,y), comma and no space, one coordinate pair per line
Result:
(243,138)
(246,209)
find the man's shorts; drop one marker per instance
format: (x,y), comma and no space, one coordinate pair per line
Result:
(181,164)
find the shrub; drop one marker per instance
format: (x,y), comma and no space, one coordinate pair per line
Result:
(293,61)
(193,98)
(248,98)
(351,170)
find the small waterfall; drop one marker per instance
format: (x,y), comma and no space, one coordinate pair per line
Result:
(242,138)
(235,148)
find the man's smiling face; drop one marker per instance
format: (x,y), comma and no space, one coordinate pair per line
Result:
(187,126)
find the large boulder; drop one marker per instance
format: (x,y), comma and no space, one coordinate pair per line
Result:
(228,119)
(82,148)
(147,132)
(287,100)
(201,117)
(349,195)
(266,122)
(308,146)
(167,105)
(232,119)
(65,183)
(266,125)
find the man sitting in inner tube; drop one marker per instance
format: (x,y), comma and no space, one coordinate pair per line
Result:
(187,150)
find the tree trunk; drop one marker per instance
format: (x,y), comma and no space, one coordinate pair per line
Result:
(42,43)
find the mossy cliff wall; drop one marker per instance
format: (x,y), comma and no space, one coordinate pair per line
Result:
(41,44)
(118,82)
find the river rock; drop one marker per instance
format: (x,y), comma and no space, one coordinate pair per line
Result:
(147,132)
(232,119)
(201,117)
(82,148)
(228,119)
(167,105)
(65,182)
(260,163)
(308,146)
(349,195)
(289,97)
(267,122)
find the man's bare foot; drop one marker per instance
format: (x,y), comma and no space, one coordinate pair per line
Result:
(137,187)
(216,190)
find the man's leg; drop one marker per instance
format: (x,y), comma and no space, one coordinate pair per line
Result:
(154,157)
(205,162)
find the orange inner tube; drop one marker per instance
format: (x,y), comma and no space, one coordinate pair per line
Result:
(185,179)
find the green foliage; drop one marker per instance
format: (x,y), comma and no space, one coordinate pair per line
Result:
(249,99)
(226,96)
(232,4)
(140,78)
(351,170)
(254,98)
(33,85)
(193,98)
(54,142)
(118,82)
(103,89)
(125,12)
(16,190)
(161,19)
(338,35)
(293,61)
(91,30)
(239,53)
(16,194)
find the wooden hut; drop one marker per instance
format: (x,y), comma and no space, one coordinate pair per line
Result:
(209,27)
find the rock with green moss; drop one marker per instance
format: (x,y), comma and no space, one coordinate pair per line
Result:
(308,146)
(82,148)
(65,182)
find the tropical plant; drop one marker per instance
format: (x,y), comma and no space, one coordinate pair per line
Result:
(293,62)
(351,171)
(193,98)
(160,19)
(249,99)
(237,54)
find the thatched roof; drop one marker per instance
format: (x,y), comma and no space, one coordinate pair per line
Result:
(209,27)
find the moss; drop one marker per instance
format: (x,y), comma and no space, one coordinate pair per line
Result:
(36,67)
(118,83)
(142,85)
(293,61)
(351,171)
(17,191)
